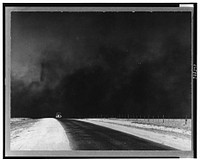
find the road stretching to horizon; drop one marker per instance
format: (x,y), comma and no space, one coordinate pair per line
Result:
(87,136)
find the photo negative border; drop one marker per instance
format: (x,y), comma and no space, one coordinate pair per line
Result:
(99,7)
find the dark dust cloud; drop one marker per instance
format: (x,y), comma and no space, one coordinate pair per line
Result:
(87,64)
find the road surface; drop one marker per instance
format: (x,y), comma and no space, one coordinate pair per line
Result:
(87,136)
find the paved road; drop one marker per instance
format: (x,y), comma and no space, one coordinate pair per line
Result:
(87,136)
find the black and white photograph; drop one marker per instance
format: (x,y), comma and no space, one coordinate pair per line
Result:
(100,81)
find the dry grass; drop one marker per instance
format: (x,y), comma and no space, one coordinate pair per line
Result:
(173,123)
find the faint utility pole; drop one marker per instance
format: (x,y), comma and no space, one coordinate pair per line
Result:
(163,118)
(186,120)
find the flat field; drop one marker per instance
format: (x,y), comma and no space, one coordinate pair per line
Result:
(17,125)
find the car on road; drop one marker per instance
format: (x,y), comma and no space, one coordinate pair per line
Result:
(58,115)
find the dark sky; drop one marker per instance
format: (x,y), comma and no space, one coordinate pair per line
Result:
(91,63)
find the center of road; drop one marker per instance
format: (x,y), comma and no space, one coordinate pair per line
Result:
(88,136)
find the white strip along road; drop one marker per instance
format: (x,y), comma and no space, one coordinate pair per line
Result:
(46,134)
